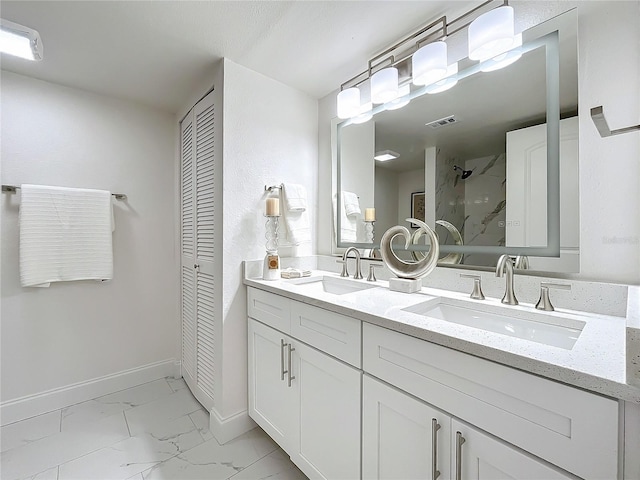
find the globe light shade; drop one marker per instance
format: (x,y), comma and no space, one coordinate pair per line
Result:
(348,103)
(491,33)
(429,63)
(402,100)
(384,85)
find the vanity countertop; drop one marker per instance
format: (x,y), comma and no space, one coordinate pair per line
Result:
(596,362)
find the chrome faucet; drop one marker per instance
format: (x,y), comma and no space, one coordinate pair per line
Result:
(358,274)
(505,265)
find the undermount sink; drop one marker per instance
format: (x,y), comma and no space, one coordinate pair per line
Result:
(334,285)
(536,327)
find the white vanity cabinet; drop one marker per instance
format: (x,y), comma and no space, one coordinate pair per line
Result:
(404,438)
(306,400)
(572,429)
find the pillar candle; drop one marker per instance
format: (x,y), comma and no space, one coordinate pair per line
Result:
(369,214)
(273,207)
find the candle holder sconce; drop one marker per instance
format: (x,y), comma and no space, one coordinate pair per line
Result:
(271,266)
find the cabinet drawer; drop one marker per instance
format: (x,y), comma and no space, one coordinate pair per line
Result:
(269,308)
(573,429)
(330,332)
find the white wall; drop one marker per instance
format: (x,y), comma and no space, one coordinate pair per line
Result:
(76,331)
(608,75)
(270,137)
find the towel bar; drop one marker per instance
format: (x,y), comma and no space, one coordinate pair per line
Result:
(597,115)
(14,189)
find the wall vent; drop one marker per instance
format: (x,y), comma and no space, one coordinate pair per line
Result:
(443,121)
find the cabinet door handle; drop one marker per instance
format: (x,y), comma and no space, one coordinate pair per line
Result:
(459,441)
(282,370)
(435,473)
(290,367)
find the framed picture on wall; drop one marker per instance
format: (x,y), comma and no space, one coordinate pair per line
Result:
(417,207)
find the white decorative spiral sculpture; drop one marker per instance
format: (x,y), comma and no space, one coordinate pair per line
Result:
(404,269)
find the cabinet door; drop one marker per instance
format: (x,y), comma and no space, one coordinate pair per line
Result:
(398,435)
(482,457)
(271,400)
(328,414)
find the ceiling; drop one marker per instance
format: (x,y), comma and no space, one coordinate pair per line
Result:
(157,52)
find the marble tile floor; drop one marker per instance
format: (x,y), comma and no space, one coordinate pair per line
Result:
(150,432)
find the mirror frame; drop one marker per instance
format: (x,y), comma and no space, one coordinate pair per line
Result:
(550,42)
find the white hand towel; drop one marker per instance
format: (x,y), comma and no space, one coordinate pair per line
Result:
(348,225)
(295,197)
(297,227)
(65,234)
(351,203)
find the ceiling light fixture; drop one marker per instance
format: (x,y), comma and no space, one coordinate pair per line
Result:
(490,36)
(20,41)
(386,155)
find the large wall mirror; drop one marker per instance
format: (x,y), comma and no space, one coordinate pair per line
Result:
(491,164)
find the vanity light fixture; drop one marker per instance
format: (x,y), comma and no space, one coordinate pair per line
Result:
(491,36)
(20,41)
(386,155)
(429,63)
(491,33)
(384,85)
(349,103)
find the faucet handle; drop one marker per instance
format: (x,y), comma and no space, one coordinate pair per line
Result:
(477,286)
(544,303)
(372,275)
(345,271)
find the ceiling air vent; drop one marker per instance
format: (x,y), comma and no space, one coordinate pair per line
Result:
(442,122)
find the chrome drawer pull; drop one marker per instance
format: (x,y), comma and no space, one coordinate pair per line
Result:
(282,370)
(435,473)
(290,367)
(459,441)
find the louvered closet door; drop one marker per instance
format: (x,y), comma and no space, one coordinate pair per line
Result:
(200,290)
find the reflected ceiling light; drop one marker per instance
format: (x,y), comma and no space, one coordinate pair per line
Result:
(491,33)
(402,100)
(384,85)
(365,113)
(20,41)
(506,58)
(349,103)
(386,155)
(445,84)
(429,63)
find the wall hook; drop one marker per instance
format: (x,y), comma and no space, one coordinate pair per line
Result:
(597,115)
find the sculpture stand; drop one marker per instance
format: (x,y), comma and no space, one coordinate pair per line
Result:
(405,285)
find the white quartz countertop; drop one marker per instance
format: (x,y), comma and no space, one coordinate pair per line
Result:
(596,362)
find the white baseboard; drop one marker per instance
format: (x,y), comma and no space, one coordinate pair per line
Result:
(225,429)
(54,399)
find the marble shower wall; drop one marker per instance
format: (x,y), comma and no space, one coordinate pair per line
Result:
(476,206)
(450,195)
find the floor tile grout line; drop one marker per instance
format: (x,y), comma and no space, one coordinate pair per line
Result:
(253,463)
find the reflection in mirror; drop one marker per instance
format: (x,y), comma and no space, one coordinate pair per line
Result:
(472,162)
